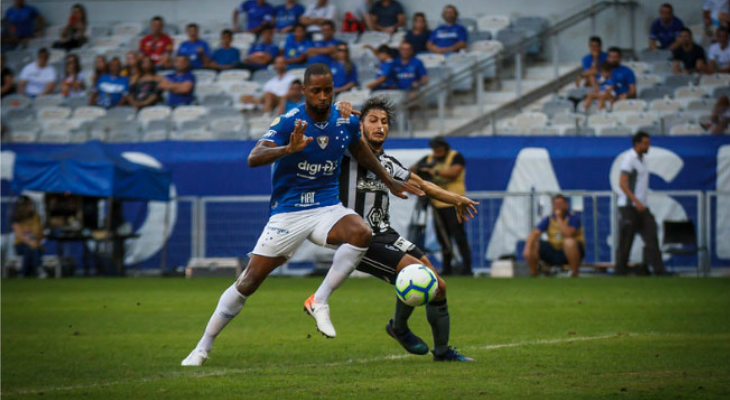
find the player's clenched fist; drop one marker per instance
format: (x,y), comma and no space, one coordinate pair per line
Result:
(297,140)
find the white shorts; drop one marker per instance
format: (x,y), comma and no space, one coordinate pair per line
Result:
(285,232)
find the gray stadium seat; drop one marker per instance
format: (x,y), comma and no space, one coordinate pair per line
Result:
(533,23)
(76,102)
(648,55)
(469,23)
(124,136)
(721,91)
(156,130)
(662,68)
(222,111)
(215,100)
(614,131)
(656,92)
(16,101)
(556,106)
(349,37)
(510,37)
(262,76)
(121,113)
(479,35)
(20,114)
(578,93)
(49,100)
(653,130)
(583,131)
(675,81)
(54,137)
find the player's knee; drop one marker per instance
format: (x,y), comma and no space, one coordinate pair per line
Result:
(569,244)
(441,292)
(361,236)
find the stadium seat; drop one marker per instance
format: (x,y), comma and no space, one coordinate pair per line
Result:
(53,113)
(25,132)
(686,129)
(99,30)
(602,120)
(76,102)
(374,38)
(523,122)
(509,37)
(578,93)
(244,37)
(356,97)
(124,113)
(48,100)
(234,75)
(568,119)
(648,55)
(653,130)
(127,29)
(675,81)
(299,73)
(532,23)
(721,91)
(192,130)
(488,47)
(671,120)
(557,106)
(88,113)
(216,100)
(690,92)
(203,76)
(187,113)
(207,89)
(20,115)
(715,80)
(613,131)
(230,124)
(430,60)
(55,136)
(103,44)
(262,76)
(156,130)
(700,106)
(124,136)
(665,106)
(633,121)
(222,112)
(153,113)
(655,93)
(396,39)
(634,105)
(638,67)
(348,37)
(582,131)
(493,23)
(543,131)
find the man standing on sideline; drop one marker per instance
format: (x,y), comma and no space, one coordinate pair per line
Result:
(634,212)
(445,168)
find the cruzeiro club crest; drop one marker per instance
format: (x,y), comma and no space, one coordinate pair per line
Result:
(322,141)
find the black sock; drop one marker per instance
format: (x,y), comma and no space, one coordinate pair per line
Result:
(402,313)
(437,313)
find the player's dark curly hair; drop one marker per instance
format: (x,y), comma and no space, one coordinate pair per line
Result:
(379,103)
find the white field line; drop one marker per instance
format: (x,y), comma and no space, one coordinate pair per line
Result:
(233,371)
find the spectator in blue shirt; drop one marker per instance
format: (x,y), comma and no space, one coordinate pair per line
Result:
(195,49)
(408,71)
(23,22)
(449,37)
(323,50)
(602,88)
(286,16)
(591,61)
(111,88)
(263,52)
(294,98)
(664,31)
(180,84)
(419,34)
(344,71)
(296,46)
(622,77)
(225,57)
(259,14)
(384,80)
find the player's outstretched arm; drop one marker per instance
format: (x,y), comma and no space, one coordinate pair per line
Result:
(267,152)
(365,157)
(465,209)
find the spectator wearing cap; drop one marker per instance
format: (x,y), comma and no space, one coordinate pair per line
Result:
(688,57)
(409,72)
(719,54)
(275,89)
(387,16)
(296,46)
(449,37)
(226,56)
(37,78)
(195,48)
(180,84)
(157,44)
(344,71)
(419,34)
(384,80)
(317,14)
(24,22)
(287,15)
(262,53)
(323,51)
(665,29)
(259,14)
(591,61)
(623,80)
(111,89)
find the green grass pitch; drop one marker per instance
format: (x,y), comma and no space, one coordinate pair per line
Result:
(601,338)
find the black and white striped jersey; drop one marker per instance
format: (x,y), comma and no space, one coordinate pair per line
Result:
(365,193)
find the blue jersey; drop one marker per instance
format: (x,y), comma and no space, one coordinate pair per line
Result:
(260,47)
(286,17)
(323,58)
(340,76)
(666,35)
(256,14)
(174,99)
(386,70)
(587,61)
(23,20)
(621,77)
(448,35)
(293,49)
(226,57)
(111,90)
(406,74)
(309,178)
(190,50)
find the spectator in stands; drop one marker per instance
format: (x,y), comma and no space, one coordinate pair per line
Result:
(447,168)
(344,71)
(565,244)
(180,84)
(8,79)
(287,15)
(37,78)
(602,91)
(73,34)
(384,80)
(419,34)
(131,64)
(623,80)
(144,88)
(263,52)
(720,118)
(635,216)
(408,71)
(449,37)
(157,44)
(387,16)
(689,57)
(323,50)
(111,89)
(719,53)
(226,56)
(275,89)
(195,48)
(23,22)
(296,46)
(358,19)
(591,61)
(715,13)
(100,68)
(664,31)
(26,224)
(259,14)
(317,14)
(294,98)
(73,83)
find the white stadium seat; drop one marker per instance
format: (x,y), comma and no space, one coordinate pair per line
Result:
(127,29)
(430,60)
(690,92)
(53,113)
(603,119)
(88,113)
(203,76)
(187,113)
(153,113)
(665,106)
(638,67)
(207,89)
(234,75)
(647,80)
(48,100)
(493,23)
(686,129)
(635,105)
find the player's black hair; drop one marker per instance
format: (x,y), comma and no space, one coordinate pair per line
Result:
(596,39)
(158,18)
(316,69)
(296,82)
(614,49)
(192,25)
(685,29)
(227,32)
(723,29)
(638,137)
(453,7)
(42,50)
(605,66)
(329,23)
(667,5)
(299,25)
(439,141)
(383,48)
(559,196)
(378,103)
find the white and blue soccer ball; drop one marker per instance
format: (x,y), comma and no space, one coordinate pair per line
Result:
(416,285)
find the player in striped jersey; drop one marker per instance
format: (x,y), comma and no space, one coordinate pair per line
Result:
(389,252)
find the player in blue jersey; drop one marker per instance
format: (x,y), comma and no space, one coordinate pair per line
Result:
(306,147)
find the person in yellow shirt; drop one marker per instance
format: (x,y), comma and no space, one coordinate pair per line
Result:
(565,244)
(28,235)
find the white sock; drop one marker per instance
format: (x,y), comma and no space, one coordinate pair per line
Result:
(229,306)
(347,257)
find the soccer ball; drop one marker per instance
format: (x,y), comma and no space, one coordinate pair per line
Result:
(416,285)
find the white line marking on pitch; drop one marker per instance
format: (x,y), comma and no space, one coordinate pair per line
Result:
(229,371)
